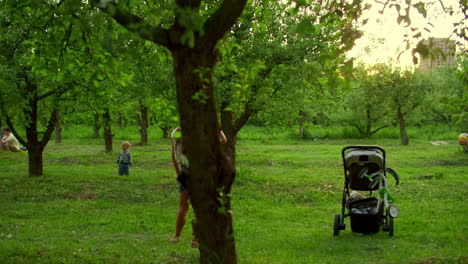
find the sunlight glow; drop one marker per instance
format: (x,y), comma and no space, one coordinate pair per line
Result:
(384,39)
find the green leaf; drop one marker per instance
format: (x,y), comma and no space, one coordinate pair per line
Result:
(188,38)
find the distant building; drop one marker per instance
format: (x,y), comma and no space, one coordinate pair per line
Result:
(441,53)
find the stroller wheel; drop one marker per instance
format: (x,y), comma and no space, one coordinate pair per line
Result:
(390,226)
(336,225)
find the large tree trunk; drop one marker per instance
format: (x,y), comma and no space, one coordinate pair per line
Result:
(403,136)
(144,124)
(34,148)
(211,171)
(35,161)
(106,119)
(34,145)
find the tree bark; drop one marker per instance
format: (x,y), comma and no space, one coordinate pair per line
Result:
(58,130)
(211,171)
(120,120)
(301,124)
(96,126)
(144,124)
(231,126)
(35,161)
(229,129)
(165,131)
(33,144)
(106,119)
(368,122)
(403,136)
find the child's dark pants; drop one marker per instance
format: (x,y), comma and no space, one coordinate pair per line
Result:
(124,168)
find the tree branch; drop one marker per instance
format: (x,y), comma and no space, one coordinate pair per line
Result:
(134,23)
(58,92)
(11,126)
(222,20)
(189,3)
(50,128)
(358,128)
(375,131)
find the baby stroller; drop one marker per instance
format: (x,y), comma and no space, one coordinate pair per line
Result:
(364,170)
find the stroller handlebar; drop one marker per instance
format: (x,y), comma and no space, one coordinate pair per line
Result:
(364,147)
(394,174)
(371,147)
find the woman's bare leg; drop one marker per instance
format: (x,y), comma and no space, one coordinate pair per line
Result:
(181,213)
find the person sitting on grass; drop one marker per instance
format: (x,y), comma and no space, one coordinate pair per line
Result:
(463,141)
(181,165)
(9,141)
(125,159)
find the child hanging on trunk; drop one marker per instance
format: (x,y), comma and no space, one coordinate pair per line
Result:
(125,159)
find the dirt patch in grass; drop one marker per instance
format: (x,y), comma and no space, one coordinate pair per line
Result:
(65,160)
(79,196)
(161,186)
(428,176)
(459,162)
(434,260)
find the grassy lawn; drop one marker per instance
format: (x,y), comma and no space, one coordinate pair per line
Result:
(284,199)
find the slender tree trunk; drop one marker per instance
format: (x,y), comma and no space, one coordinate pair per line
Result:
(165,131)
(58,130)
(144,124)
(35,161)
(301,124)
(107,130)
(211,171)
(120,120)
(34,145)
(368,123)
(403,136)
(97,125)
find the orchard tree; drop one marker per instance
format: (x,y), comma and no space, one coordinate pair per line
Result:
(152,86)
(191,31)
(405,92)
(40,52)
(281,60)
(364,107)
(446,97)
(191,35)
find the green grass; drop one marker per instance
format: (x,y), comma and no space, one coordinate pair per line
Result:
(284,199)
(430,132)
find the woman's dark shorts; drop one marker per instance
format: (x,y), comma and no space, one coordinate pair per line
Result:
(182,188)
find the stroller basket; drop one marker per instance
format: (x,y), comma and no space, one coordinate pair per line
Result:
(364,216)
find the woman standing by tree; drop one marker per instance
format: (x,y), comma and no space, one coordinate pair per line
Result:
(181,166)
